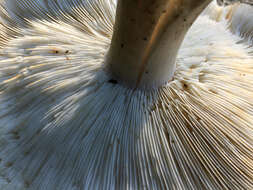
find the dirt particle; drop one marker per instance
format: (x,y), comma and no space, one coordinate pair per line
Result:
(153,108)
(213,91)
(9,164)
(14,132)
(185,86)
(150,12)
(27,184)
(113,81)
(26,153)
(8,180)
(132,20)
(190,129)
(176,16)
(15,135)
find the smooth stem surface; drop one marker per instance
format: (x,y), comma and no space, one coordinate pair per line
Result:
(146,39)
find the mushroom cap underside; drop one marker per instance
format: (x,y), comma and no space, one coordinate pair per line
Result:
(65,124)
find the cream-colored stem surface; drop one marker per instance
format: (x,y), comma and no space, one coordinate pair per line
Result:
(146,39)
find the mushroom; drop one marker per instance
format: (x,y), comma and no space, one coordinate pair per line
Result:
(153,108)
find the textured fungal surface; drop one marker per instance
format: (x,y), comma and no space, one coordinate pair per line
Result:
(229,2)
(66,124)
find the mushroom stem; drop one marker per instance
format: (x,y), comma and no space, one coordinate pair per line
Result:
(147,36)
